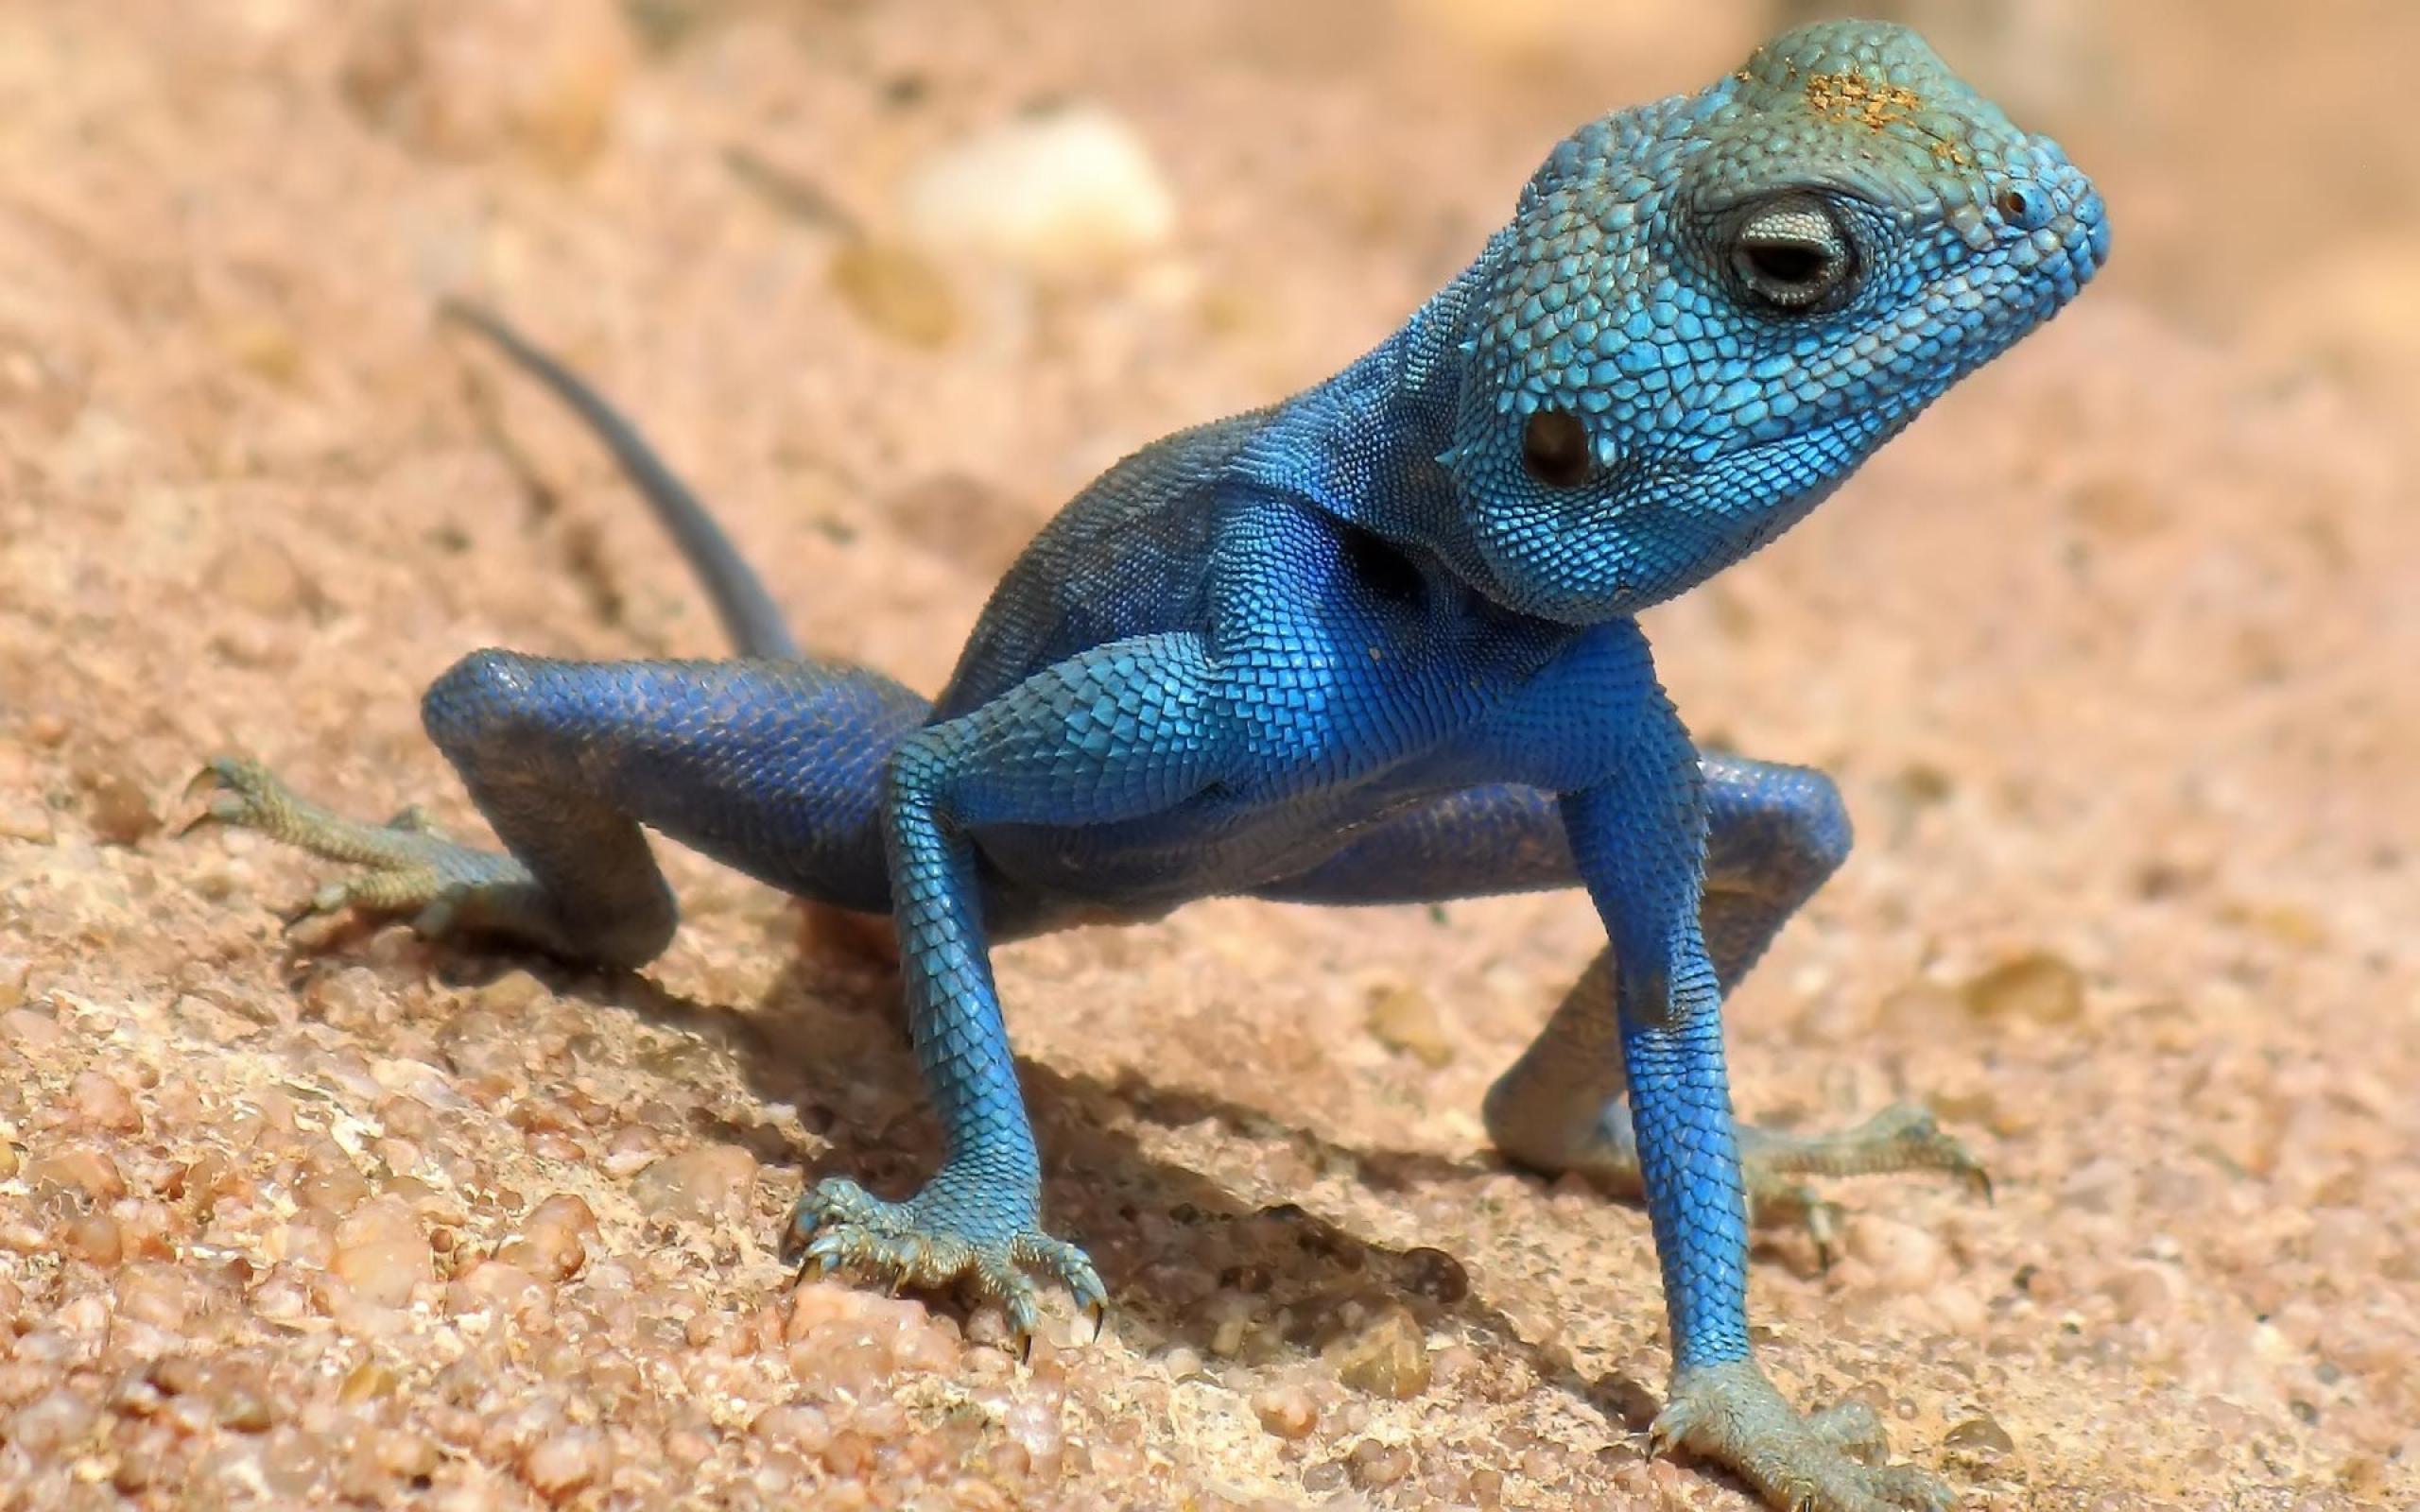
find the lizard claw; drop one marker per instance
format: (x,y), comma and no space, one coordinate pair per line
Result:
(945,1234)
(403,867)
(1830,1461)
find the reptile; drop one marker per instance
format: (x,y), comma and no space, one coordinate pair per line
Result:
(1374,643)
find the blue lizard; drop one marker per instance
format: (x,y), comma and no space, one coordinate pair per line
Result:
(1374,643)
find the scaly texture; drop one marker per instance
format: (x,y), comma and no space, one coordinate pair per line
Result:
(1375,642)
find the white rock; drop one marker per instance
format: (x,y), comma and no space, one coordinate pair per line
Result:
(1069,190)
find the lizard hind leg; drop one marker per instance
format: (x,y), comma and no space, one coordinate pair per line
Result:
(1775,833)
(773,767)
(1563,1107)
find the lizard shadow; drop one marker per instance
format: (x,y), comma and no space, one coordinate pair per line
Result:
(1190,1263)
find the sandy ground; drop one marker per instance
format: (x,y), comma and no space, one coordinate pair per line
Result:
(2113,655)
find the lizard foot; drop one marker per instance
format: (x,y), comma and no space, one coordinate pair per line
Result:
(951,1231)
(1903,1137)
(1829,1461)
(405,866)
(1775,1164)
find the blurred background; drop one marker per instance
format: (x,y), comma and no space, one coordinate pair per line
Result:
(2113,655)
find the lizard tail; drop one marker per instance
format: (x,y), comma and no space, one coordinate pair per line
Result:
(748,612)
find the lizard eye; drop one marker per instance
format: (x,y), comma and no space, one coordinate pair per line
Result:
(1792,257)
(1554,448)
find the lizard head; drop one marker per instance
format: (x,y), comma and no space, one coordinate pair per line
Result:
(1708,311)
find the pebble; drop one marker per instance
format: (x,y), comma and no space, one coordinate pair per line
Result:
(1904,1259)
(896,291)
(1374,1465)
(94,1237)
(2038,986)
(711,1181)
(1404,1018)
(466,79)
(52,1422)
(801,1429)
(118,800)
(381,1253)
(494,1284)
(632,1149)
(1980,1435)
(1064,191)
(90,1172)
(562,1462)
(1288,1412)
(1389,1357)
(261,575)
(553,1243)
(22,817)
(1434,1275)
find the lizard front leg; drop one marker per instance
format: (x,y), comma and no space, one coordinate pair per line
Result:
(1119,732)
(1638,836)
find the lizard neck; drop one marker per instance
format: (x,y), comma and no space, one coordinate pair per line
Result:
(1364,445)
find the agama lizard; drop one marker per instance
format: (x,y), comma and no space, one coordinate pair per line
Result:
(1374,643)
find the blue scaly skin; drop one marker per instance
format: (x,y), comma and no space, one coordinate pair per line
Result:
(1375,642)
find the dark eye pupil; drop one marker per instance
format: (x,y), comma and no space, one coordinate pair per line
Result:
(1788,262)
(1554,448)
(2016,205)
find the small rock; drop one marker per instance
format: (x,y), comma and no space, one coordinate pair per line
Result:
(118,800)
(1979,1436)
(89,1172)
(510,996)
(555,1237)
(1066,190)
(632,1149)
(494,1284)
(2146,1293)
(1388,1357)
(1402,1018)
(367,1382)
(261,577)
(701,1183)
(1906,1258)
(800,1429)
(893,289)
(403,1454)
(2037,985)
(99,1102)
(464,79)
(94,1237)
(22,817)
(381,1253)
(241,1403)
(1435,1275)
(1287,1412)
(31,1029)
(1373,1464)
(52,1423)
(565,1461)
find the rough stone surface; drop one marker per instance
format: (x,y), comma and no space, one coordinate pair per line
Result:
(2112,654)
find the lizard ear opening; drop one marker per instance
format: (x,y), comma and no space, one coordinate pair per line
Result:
(1554,449)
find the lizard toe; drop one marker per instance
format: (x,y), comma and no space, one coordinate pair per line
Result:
(935,1240)
(1830,1461)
